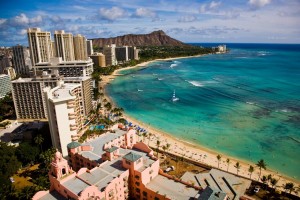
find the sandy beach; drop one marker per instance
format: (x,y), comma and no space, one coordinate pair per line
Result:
(195,152)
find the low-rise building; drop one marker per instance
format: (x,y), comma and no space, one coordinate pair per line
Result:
(114,166)
(98,59)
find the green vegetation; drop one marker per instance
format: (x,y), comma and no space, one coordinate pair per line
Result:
(7,110)
(161,52)
(35,163)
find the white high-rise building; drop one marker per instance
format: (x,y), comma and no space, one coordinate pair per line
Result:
(89,45)
(110,55)
(64,46)
(21,60)
(65,114)
(40,46)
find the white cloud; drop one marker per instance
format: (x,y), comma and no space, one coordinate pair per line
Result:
(187,18)
(258,3)
(36,19)
(22,19)
(144,12)
(2,21)
(212,6)
(23,32)
(112,14)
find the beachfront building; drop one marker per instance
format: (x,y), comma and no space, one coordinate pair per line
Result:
(29,101)
(219,183)
(64,47)
(5,85)
(122,54)
(98,59)
(65,113)
(40,46)
(21,60)
(110,55)
(113,166)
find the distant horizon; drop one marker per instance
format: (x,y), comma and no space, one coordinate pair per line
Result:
(212,21)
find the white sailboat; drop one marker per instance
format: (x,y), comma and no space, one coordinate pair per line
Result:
(174,98)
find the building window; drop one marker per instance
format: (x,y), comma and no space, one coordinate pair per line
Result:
(145,193)
(137,183)
(137,190)
(137,177)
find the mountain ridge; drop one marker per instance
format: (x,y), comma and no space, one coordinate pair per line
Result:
(155,38)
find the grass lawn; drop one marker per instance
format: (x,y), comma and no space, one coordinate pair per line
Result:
(22,179)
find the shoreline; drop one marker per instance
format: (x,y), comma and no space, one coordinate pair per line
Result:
(190,150)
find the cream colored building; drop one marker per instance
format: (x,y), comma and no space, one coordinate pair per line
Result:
(64,45)
(21,60)
(65,113)
(80,47)
(110,55)
(40,46)
(98,59)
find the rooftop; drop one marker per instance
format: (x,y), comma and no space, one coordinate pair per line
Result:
(99,142)
(230,184)
(63,92)
(73,145)
(210,194)
(132,157)
(112,149)
(75,185)
(53,195)
(170,188)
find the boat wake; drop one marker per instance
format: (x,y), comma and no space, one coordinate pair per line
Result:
(196,83)
(173,65)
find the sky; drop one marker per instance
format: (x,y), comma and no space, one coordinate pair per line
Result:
(201,21)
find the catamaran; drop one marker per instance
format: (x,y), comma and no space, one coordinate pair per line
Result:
(174,98)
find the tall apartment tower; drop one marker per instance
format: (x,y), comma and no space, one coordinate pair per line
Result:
(110,54)
(89,45)
(80,47)
(40,46)
(5,86)
(28,99)
(21,60)
(65,114)
(64,45)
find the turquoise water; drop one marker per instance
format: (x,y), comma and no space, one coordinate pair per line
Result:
(245,103)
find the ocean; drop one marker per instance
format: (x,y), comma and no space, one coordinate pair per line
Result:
(244,104)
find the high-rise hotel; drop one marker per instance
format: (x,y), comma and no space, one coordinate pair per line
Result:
(60,90)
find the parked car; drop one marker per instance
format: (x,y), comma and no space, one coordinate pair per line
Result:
(256,189)
(170,168)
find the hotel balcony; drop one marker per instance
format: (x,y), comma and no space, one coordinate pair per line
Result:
(71,114)
(72,117)
(70,105)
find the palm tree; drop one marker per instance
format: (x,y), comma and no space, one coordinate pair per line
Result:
(251,170)
(219,159)
(237,166)
(274,182)
(164,148)
(39,140)
(149,137)
(264,179)
(144,134)
(157,144)
(269,178)
(168,146)
(261,164)
(228,162)
(289,186)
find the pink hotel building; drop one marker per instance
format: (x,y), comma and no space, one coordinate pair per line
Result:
(114,166)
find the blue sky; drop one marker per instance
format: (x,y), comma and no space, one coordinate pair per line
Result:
(253,21)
